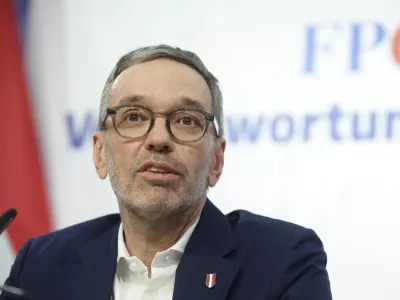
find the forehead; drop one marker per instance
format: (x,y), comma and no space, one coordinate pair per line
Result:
(161,84)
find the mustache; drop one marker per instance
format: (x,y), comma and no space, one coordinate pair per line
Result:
(158,158)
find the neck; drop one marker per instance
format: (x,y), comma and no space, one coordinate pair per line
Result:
(144,238)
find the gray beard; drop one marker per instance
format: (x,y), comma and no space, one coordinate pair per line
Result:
(151,207)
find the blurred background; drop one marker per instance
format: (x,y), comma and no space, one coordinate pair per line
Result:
(312,115)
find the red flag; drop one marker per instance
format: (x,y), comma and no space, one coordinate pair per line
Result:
(21,180)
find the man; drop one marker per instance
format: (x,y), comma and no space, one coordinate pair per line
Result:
(160,142)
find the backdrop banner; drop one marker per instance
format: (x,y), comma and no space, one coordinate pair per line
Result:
(312,114)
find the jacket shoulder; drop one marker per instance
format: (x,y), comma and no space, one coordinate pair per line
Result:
(253,229)
(248,221)
(73,236)
(287,258)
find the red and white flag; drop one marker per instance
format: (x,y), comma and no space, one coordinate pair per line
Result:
(21,179)
(211,280)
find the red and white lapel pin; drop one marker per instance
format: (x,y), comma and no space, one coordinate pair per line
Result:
(211,280)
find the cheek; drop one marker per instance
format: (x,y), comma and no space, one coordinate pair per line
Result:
(123,155)
(188,156)
(193,158)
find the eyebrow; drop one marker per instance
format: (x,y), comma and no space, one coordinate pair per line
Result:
(184,100)
(192,103)
(131,99)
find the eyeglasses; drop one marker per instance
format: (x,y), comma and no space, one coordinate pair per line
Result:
(134,122)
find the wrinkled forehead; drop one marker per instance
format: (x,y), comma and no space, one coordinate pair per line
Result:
(161,84)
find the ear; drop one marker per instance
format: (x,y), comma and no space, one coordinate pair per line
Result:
(99,155)
(218,162)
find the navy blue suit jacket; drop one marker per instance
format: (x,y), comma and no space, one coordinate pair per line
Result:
(254,257)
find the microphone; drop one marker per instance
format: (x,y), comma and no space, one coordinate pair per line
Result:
(5,220)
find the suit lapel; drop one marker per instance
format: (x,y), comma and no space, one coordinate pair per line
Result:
(191,278)
(90,275)
(205,254)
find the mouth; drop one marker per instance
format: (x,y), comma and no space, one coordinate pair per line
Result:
(161,172)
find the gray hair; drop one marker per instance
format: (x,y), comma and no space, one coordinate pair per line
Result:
(188,58)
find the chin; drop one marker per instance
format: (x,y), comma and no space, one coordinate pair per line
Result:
(157,200)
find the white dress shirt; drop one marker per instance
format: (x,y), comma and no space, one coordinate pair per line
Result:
(131,279)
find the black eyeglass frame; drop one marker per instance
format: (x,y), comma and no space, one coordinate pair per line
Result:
(112,111)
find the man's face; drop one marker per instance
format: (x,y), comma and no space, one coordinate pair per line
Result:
(156,177)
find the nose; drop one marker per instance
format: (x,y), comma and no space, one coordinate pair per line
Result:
(159,139)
